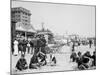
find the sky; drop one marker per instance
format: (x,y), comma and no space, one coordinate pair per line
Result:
(61,18)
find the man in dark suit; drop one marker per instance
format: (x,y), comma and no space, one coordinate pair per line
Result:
(24,46)
(43,44)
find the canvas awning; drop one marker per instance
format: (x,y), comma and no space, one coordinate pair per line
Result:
(28,28)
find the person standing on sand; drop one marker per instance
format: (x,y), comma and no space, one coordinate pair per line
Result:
(15,47)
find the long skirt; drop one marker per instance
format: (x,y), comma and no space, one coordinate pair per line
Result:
(15,50)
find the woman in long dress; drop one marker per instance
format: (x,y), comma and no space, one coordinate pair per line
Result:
(15,47)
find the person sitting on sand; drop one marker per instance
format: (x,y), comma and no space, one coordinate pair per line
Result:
(34,63)
(21,64)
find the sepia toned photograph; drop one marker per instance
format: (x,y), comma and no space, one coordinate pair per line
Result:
(52,37)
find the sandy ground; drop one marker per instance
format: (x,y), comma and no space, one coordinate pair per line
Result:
(63,60)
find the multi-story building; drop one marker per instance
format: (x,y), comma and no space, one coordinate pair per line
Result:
(19,14)
(20,19)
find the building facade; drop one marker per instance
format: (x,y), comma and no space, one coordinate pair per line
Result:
(47,34)
(19,14)
(20,21)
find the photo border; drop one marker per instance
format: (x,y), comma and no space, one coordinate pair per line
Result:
(46,3)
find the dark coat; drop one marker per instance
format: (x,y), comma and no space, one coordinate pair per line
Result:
(94,60)
(73,56)
(20,46)
(34,62)
(79,60)
(24,46)
(87,55)
(21,64)
(54,60)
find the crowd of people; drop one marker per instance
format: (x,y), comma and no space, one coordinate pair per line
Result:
(29,46)
(36,62)
(84,61)
(36,48)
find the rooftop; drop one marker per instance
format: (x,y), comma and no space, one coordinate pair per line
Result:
(21,9)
